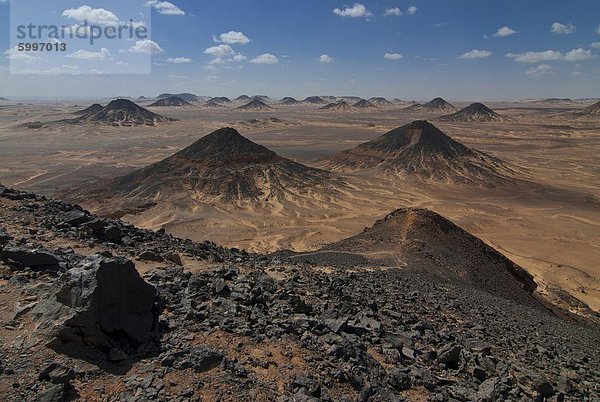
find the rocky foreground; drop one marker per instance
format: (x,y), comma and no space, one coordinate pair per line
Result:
(193,322)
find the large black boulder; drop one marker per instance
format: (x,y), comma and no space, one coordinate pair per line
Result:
(102,303)
(27,257)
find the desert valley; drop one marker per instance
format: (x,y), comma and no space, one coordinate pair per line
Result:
(528,189)
(328,248)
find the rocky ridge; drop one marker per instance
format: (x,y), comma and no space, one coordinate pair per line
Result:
(232,326)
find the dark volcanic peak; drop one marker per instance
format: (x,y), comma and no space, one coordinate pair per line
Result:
(141,98)
(95,108)
(554,101)
(314,99)
(262,98)
(420,135)
(434,105)
(438,104)
(379,101)
(220,99)
(364,104)
(421,150)
(222,167)
(243,98)
(213,104)
(414,106)
(474,112)
(288,101)
(255,105)
(225,147)
(424,240)
(123,112)
(172,101)
(340,106)
(593,110)
(3,99)
(185,96)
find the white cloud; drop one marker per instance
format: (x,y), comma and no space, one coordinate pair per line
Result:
(324,59)
(85,55)
(505,31)
(165,7)
(217,60)
(596,45)
(551,55)
(239,57)
(91,15)
(539,71)
(146,46)
(14,55)
(578,55)
(476,54)
(412,10)
(211,78)
(179,60)
(210,68)
(219,51)
(393,11)
(266,58)
(598,30)
(64,69)
(562,29)
(392,56)
(536,57)
(356,11)
(232,38)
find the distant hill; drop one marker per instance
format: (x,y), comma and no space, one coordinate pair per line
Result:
(213,104)
(434,105)
(262,98)
(475,112)
(364,104)
(593,110)
(255,105)
(95,108)
(421,150)
(289,101)
(172,101)
(243,98)
(185,96)
(554,101)
(341,106)
(123,112)
(381,102)
(220,99)
(314,100)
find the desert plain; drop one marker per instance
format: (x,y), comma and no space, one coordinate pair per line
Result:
(550,224)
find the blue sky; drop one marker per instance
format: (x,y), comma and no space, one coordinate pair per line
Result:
(461,50)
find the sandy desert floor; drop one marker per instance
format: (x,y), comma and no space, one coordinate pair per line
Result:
(551,228)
